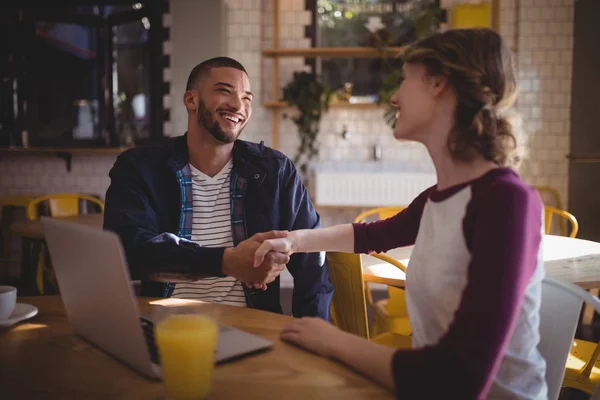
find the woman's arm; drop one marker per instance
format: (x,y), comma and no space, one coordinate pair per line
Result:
(333,238)
(397,231)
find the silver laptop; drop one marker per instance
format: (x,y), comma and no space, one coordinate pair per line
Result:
(94,283)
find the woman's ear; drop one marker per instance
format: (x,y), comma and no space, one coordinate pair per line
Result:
(438,83)
(189,100)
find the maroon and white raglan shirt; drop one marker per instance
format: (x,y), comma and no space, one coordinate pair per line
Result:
(473,288)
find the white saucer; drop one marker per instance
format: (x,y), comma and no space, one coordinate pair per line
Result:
(20,313)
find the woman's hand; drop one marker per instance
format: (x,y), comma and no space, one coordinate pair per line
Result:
(368,358)
(313,334)
(280,245)
(333,238)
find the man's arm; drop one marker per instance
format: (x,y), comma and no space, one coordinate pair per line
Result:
(150,251)
(312,289)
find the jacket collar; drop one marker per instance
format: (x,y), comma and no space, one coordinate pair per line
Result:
(244,163)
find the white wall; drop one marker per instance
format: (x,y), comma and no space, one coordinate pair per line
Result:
(197,34)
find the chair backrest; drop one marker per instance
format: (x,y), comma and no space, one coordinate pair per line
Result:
(559,314)
(551,192)
(61,204)
(550,212)
(348,306)
(379,213)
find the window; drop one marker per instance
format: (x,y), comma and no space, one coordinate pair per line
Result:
(366,23)
(79,75)
(130,80)
(64,82)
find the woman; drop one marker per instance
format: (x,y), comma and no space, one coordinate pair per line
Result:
(474,280)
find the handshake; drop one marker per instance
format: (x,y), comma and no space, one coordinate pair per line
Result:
(257,261)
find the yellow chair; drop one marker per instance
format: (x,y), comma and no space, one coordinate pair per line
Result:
(389,314)
(15,201)
(379,213)
(583,368)
(349,306)
(551,193)
(59,205)
(550,212)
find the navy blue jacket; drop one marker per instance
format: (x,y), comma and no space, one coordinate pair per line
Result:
(144,206)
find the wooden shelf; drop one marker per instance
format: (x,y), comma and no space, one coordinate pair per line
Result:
(584,159)
(341,104)
(335,52)
(63,150)
(275,53)
(66,153)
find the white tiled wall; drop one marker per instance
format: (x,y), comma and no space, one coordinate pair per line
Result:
(544,51)
(244,35)
(42,175)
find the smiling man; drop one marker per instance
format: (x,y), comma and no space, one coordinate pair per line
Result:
(194,209)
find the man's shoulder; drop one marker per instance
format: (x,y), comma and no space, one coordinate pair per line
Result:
(260,151)
(263,156)
(151,154)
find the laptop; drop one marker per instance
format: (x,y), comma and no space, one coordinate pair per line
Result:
(98,296)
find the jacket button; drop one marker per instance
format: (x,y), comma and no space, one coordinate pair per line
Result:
(256,176)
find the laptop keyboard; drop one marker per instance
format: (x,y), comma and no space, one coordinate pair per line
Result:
(148,329)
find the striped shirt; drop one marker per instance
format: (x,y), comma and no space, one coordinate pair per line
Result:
(211,227)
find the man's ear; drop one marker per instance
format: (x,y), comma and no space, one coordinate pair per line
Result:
(190,100)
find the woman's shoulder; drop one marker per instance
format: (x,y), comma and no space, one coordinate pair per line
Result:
(504,187)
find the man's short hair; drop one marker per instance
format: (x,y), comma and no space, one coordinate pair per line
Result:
(200,70)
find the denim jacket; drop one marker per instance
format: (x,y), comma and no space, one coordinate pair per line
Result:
(149,205)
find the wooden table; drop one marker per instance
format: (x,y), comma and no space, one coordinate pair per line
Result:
(32,246)
(42,359)
(35,229)
(572,260)
(378,271)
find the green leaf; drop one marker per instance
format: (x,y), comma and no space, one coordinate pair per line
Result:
(311,98)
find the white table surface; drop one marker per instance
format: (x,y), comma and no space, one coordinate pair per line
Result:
(573,260)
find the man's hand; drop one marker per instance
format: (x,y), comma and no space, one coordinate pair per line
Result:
(283,245)
(239,261)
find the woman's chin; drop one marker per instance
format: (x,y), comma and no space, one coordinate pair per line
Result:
(404,133)
(400,135)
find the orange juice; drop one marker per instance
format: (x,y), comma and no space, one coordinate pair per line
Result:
(186,344)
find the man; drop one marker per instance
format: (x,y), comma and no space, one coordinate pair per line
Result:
(196,206)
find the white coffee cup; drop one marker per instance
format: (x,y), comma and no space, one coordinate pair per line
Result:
(8,299)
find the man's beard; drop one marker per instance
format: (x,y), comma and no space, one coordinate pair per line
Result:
(206,120)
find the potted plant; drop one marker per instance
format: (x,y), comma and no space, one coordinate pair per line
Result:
(310,97)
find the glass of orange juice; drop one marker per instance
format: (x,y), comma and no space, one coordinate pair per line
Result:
(186,343)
